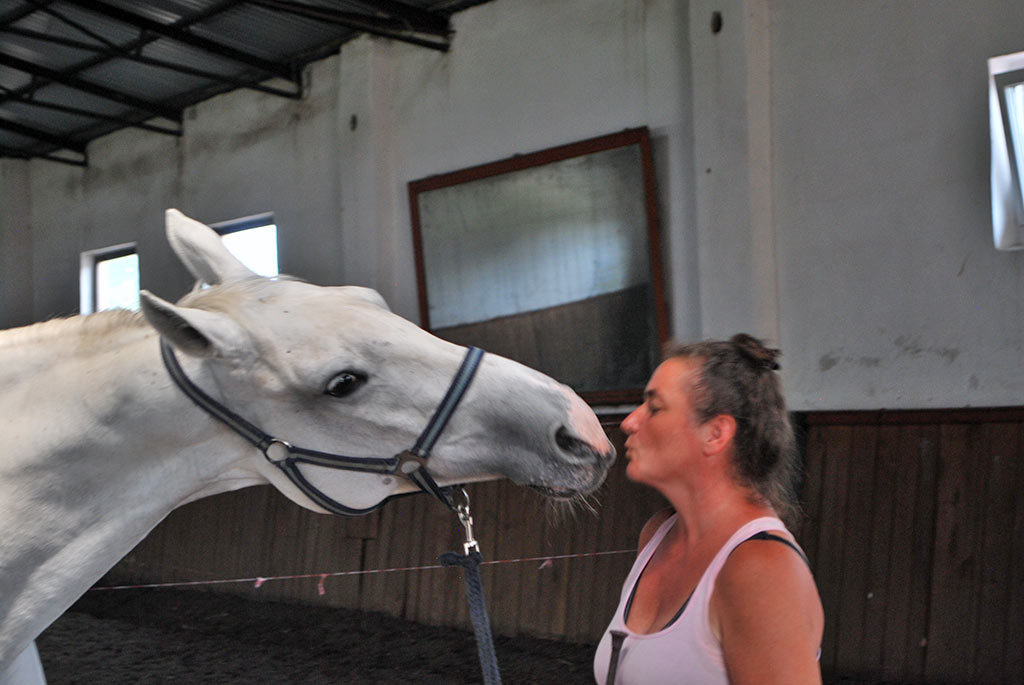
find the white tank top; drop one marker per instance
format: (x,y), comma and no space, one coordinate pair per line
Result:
(685,651)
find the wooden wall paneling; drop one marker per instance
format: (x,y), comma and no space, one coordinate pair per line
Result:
(454,609)
(315,553)
(360,527)
(434,594)
(266,553)
(623,509)
(184,542)
(178,546)
(900,458)
(582,572)
(1001,452)
(1014,642)
(134,567)
(536,581)
(914,527)
(856,543)
(253,511)
(568,526)
(545,579)
(952,619)
(488,531)
(511,545)
(379,589)
(403,552)
(529,528)
(622,515)
(420,535)
(337,552)
(810,495)
(243,511)
(212,545)
(281,548)
(595,583)
(927,448)
(572,529)
(830,549)
(882,548)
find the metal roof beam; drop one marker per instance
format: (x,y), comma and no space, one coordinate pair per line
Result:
(183,35)
(417,18)
(93,89)
(23,12)
(385,28)
(24,154)
(117,52)
(30,102)
(43,136)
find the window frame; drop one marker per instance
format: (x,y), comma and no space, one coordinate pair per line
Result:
(246,223)
(1007,186)
(89,272)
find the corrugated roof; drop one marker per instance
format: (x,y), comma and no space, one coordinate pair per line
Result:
(74,70)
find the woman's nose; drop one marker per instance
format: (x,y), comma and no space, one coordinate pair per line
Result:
(628,424)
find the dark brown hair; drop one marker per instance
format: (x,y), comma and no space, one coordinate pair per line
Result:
(737,377)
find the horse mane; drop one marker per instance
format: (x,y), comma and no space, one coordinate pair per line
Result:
(91,325)
(225,297)
(218,298)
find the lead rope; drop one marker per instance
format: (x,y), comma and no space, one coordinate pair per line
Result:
(470,560)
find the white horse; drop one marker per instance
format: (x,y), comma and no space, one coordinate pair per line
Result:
(99,444)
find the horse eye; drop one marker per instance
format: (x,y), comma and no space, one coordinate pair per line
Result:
(345,383)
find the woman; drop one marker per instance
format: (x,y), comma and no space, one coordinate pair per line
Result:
(720,592)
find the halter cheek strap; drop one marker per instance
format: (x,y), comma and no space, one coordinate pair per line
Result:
(409,464)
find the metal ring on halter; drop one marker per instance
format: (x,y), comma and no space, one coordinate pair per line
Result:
(280,445)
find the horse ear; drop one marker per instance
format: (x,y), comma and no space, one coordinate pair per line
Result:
(196,332)
(202,252)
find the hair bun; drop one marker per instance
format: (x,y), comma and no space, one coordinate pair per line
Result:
(755,352)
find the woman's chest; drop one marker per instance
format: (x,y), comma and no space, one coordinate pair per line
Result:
(662,591)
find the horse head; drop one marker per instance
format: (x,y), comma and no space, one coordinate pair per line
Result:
(334,370)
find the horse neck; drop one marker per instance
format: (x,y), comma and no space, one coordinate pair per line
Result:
(99,447)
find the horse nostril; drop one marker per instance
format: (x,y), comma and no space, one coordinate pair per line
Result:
(571,444)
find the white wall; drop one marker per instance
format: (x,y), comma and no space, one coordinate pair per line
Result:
(891,293)
(822,171)
(841,167)
(522,76)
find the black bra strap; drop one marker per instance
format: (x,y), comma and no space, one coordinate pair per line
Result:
(765,535)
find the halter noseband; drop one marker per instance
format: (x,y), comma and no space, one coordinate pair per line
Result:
(410,464)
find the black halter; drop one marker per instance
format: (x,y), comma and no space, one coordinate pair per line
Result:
(410,464)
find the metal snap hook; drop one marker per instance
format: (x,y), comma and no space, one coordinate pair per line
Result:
(462,510)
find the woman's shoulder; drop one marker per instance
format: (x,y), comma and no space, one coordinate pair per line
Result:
(652,525)
(766,581)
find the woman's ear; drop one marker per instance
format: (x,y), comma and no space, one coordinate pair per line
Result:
(718,434)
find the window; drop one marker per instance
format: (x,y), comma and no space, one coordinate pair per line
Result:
(253,240)
(1006,124)
(109,279)
(110,276)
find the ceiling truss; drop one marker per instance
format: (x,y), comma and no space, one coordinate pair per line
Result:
(74,70)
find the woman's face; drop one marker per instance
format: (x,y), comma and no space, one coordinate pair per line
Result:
(664,434)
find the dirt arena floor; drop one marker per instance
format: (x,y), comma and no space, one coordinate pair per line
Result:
(194,637)
(188,636)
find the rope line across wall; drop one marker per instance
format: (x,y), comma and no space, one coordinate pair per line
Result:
(260,580)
